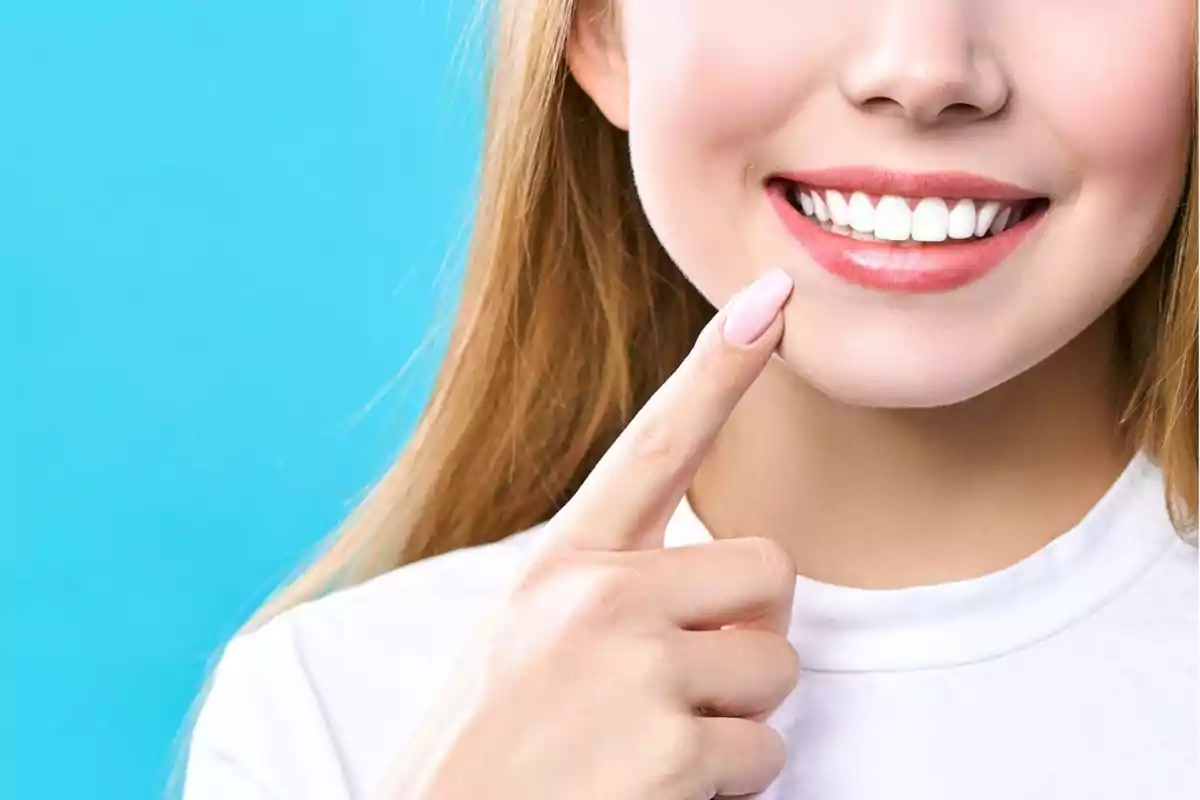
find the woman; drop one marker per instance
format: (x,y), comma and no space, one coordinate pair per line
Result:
(904,518)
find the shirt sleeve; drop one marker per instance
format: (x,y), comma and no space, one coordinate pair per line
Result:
(261,733)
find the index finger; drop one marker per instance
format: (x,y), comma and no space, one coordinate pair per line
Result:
(638,482)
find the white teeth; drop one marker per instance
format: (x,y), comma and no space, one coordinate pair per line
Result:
(862,213)
(897,219)
(1002,220)
(839,209)
(962,220)
(986,215)
(806,203)
(819,206)
(893,220)
(931,220)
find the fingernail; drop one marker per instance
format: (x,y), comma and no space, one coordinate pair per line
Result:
(753,310)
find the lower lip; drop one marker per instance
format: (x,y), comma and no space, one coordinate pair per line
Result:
(923,268)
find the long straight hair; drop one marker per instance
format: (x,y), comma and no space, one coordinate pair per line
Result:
(572,315)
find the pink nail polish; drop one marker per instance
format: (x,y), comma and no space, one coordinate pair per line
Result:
(753,310)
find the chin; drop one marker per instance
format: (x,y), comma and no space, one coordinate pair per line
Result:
(885,376)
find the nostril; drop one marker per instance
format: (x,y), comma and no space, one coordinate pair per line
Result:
(961,110)
(882,105)
(926,113)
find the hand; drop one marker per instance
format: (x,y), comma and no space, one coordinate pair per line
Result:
(618,669)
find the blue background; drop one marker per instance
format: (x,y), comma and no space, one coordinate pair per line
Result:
(223,229)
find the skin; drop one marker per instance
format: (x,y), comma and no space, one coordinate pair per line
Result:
(865,439)
(956,432)
(616,669)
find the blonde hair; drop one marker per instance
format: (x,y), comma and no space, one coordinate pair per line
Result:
(572,315)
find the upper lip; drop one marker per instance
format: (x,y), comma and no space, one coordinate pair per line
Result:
(876,181)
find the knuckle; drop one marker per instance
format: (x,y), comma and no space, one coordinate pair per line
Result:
(582,588)
(774,749)
(547,566)
(675,747)
(789,664)
(777,571)
(652,664)
(653,442)
(712,365)
(604,593)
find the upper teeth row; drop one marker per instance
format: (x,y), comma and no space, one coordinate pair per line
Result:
(897,219)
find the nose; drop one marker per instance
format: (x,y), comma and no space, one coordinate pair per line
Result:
(925,61)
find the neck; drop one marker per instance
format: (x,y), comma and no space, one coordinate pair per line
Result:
(887,498)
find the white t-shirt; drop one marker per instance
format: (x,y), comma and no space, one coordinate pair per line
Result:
(1074,673)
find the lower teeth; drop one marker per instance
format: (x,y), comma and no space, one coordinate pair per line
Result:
(846,230)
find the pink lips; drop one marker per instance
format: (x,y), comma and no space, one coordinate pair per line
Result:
(909,184)
(883,266)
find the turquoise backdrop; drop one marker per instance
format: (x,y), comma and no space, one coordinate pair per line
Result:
(223,227)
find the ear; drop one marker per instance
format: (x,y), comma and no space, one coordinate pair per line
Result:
(596,57)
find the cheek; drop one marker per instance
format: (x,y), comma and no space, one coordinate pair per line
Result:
(709,76)
(1122,123)
(1122,133)
(708,87)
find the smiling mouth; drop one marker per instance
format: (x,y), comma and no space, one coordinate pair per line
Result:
(907,220)
(905,232)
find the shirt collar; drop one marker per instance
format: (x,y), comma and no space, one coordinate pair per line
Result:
(840,628)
